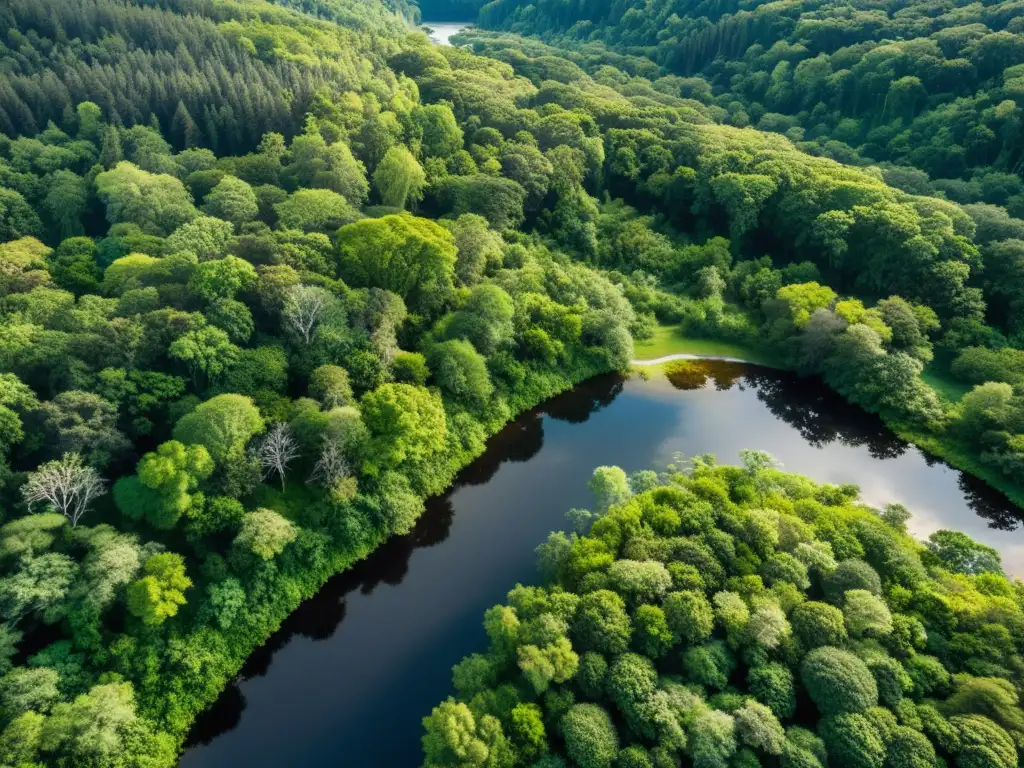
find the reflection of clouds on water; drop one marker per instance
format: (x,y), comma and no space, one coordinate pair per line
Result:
(376,644)
(814,432)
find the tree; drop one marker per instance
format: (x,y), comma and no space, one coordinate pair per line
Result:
(639,581)
(156,202)
(85,424)
(66,201)
(441,134)
(960,554)
(39,586)
(304,308)
(17,218)
(24,689)
(759,728)
(554,662)
(73,266)
(222,278)
(232,200)
(66,485)
(485,319)
(478,247)
(406,423)
(772,685)
(690,616)
(866,614)
(601,623)
(710,664)
(817,624)
(852,574)
(527,731)
(609,487)
(223,424)
(497,199)
(852,741)
(399,179)
(173,471)
(329,385)
(590,737)
(205,236)
(315,210)
(461,373)
(265,533)
(100,728)
(157,596)
(411,257)
(208,352)
(333,470)
(712,739)
(276,450)
(651,635)
(454,737)
(837,681)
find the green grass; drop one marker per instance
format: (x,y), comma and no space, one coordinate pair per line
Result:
(946,387)
(667,340)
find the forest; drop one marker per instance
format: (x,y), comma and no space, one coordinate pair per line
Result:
(270,274)
(722,616)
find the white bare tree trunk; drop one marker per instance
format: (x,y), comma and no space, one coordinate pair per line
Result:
(302,309)
(276,451)
(332,466)
(67,485)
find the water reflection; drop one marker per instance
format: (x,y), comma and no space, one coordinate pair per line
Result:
(319,617)
(350,673)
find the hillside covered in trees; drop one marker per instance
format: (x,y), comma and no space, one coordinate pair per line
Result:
(740,616)
(271,274)
(936,86)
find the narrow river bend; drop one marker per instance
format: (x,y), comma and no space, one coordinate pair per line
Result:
(349,675)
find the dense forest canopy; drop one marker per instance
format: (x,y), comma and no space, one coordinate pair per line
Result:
(935,86)
(740,616)
(271,274)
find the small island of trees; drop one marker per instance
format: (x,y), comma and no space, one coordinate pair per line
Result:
(737,616)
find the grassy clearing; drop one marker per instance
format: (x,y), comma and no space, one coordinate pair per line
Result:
(947,388)
(667,340)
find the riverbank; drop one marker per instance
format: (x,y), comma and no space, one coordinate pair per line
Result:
(668,341)
(377,643)
(669,344)
(202,684)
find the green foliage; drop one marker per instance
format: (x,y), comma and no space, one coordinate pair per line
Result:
(837,681)
(405,423)
(265,533)
(161,591)
(590,737)
(719,677)
(223,425)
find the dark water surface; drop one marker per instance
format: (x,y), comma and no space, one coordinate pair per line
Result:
(349,675)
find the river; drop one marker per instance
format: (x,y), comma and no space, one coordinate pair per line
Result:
(349,675)
(441,31)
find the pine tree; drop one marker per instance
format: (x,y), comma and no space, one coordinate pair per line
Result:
(184,132)
(110,152)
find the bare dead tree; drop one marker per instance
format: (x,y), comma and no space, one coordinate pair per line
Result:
(276,451)
(303,307)
(332,467)
(68,485)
